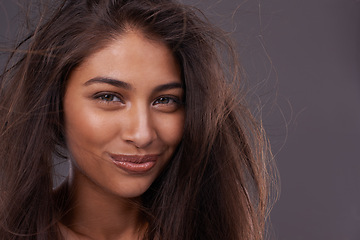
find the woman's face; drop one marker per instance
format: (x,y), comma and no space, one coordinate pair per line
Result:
(124,115)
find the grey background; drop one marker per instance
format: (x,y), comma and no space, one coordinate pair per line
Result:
(302,58)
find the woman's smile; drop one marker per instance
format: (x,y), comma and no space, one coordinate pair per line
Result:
(124,115)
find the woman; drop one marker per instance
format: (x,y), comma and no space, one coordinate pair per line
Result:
(135,95)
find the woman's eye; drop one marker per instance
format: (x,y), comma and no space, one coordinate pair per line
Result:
(167,104)
(167,100)
(163,100)
(108,97)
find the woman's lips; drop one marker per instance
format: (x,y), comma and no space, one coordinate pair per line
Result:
(134,163)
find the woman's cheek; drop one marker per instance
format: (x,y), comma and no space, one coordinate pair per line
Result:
(171,127)
(87,126)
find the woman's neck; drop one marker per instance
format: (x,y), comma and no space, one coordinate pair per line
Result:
(93,213)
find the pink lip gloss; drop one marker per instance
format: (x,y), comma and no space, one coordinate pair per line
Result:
(136,164)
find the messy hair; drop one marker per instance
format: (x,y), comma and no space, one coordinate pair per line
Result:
(217,184)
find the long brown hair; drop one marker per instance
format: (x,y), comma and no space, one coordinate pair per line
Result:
(217,184)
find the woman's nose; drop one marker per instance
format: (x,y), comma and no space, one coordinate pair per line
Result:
(138,128)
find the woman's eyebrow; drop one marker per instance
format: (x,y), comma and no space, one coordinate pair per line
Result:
(168,86)
(114,82)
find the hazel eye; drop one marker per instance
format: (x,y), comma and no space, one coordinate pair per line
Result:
(163,100)
(167,101)
(109,98)
(167,104)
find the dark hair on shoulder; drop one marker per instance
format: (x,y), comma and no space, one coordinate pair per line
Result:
(216,186)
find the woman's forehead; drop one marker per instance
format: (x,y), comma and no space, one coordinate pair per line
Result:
(132,58)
